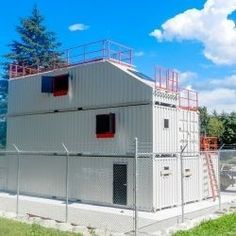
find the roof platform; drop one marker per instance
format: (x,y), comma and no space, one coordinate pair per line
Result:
(90,52)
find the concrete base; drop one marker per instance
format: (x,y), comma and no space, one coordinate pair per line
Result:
(108,218)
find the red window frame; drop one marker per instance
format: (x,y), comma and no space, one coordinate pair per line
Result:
(110,129)
(63,91)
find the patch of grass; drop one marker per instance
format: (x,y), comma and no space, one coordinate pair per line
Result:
(223,226)
(15,228)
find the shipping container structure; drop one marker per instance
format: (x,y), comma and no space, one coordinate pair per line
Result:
(96,103)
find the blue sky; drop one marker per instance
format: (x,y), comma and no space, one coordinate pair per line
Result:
(157,32)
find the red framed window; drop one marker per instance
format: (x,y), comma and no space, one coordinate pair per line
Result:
(105,125)
(61,85)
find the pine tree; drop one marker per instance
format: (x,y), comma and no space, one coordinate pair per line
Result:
(3,111)
(37,46)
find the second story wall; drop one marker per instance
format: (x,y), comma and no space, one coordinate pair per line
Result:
(92,85)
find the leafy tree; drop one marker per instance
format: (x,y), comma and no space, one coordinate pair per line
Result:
(221,125)
(37,47)
(215,127)
(229,122)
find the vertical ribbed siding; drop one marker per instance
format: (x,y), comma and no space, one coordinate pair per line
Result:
(90,178)
(189,130)
(91,85)
(164,139)
(196,181)
(167,187)
(78,130)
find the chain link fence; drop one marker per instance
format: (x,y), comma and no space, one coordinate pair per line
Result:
(112,191)
(228,169)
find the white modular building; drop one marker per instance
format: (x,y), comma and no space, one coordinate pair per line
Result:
(96,107)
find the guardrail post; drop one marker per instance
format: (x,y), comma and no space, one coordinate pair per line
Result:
(18,179)
(67,180)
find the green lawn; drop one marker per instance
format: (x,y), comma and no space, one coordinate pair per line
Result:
(223,226)
(14,228)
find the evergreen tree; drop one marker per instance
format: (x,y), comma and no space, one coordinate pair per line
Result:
(204,120)
(37,47)
(3,110)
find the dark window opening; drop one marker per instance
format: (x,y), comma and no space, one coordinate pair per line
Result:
(58,85)
(166,123)
(47,84)
(105,125)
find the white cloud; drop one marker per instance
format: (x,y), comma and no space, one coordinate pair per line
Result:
(187,77)
(219,99)
(78,27)
(228,82)
(220,94)
(216,94)
(139,54)
(210,26)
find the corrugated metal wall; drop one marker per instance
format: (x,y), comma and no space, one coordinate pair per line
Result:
(183,125)
(101,88)
(91,85)
(188,127)
(47,132)
(165,139)
(90,179)
(3,172)
(192,180)
(167,180)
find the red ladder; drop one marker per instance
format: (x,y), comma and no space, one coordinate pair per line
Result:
(212,176)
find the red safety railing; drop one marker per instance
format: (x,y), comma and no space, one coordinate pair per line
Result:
(95,51)
(166,79)
(188,99)
(209,143)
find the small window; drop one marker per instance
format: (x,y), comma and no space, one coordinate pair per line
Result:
(60,85)
(47,84)
(166,123)
(105,125)
(57,85)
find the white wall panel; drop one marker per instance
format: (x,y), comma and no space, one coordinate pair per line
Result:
(90,178)
(188,126)
(164,139)
(77,130)
(167,182)
(91,85)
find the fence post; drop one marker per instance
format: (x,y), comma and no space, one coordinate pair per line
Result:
(219,193)
(18,179)
(182,182)
(135,188)
(67,180)
(182,187)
